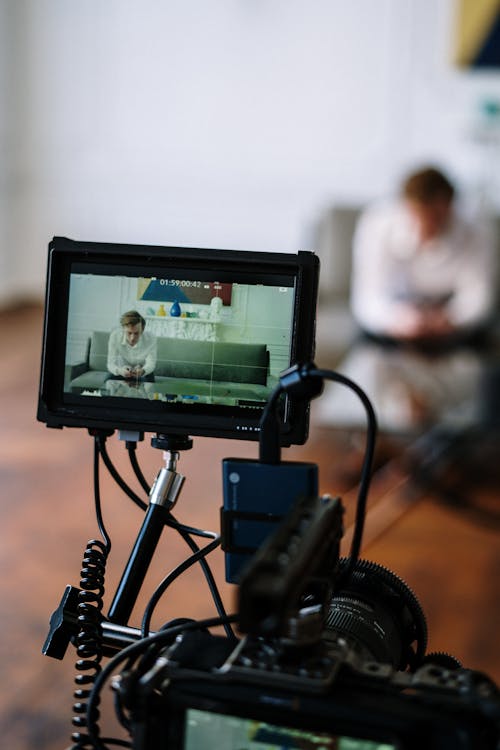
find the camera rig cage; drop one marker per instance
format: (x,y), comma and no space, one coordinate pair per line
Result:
(331,652)
(229,322)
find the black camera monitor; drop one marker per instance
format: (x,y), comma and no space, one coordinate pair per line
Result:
(174,340)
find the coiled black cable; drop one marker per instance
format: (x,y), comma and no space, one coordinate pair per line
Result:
(129,653)
(89,637)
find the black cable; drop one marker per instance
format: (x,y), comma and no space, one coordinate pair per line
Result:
(185,532)
(135,649)
(170,578)
(131,448)
(97,498)
(116,476)
(136,499)
(269,440)
(120,713)
(212,585)
(89,639)
(181,527)
(364,485)
(172,522)
(299,381)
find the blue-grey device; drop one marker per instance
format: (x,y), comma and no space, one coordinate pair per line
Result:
(257,496)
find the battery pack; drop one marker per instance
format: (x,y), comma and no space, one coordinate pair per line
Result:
(257,496)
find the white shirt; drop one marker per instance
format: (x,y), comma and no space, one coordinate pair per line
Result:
(121,354)
(392,269)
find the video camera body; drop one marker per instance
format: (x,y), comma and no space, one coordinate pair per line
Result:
(330,651)
(196,697)
(313,670)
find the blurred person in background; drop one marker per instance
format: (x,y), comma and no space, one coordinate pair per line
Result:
(422,272)
(423,292)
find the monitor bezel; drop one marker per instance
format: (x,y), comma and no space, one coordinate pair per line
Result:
(56,409)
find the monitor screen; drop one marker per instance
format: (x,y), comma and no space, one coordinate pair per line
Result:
(174,340)
(204,729)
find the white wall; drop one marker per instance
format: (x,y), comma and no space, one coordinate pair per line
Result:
(229,123)
(95,304)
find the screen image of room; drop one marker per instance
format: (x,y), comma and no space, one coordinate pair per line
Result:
(207,729)
(224,318)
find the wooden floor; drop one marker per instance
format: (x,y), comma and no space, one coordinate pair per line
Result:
(449,560)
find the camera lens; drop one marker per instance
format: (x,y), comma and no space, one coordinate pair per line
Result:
(379,616)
